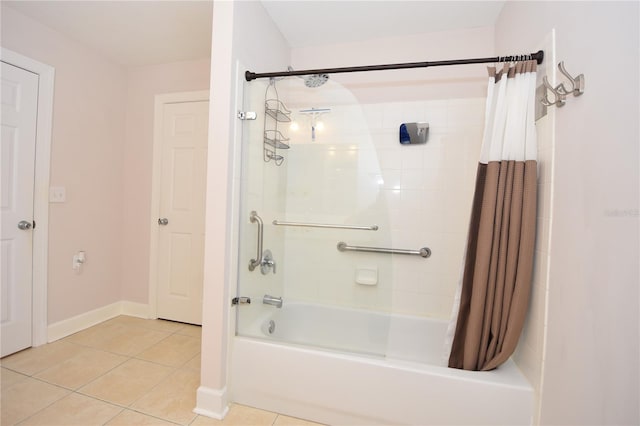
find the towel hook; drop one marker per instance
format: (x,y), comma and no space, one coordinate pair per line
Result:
(559,96)
(577,83)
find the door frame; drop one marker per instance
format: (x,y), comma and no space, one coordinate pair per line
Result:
(44,122)
(160,101)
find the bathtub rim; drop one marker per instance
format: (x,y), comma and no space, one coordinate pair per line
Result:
(520,381)
(251,383)
(507,374)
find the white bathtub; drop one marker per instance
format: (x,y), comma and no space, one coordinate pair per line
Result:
(406,386)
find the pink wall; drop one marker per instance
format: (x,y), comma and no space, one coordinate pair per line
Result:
(86,158)
(102,153)
(590,370)
(143,83)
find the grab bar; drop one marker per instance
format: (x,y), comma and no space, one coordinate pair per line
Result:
(325,225)
(258,260)
(424,251)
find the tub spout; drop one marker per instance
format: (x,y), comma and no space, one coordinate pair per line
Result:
(271,300)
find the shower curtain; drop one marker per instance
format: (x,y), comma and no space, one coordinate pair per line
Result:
(493,293)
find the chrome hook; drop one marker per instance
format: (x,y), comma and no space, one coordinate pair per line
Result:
(577,83)
(559,97)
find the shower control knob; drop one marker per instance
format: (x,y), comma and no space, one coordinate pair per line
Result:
(163,221)
(267,263)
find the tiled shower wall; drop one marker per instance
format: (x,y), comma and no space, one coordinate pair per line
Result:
(356,172)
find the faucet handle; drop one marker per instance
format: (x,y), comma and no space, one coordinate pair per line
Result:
(267,263)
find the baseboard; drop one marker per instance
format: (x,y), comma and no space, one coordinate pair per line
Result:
(133,309)
(80,322)
(212,402)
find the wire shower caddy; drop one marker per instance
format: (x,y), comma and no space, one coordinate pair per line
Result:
(275,112)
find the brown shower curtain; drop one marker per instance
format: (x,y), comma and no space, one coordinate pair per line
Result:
(494,291)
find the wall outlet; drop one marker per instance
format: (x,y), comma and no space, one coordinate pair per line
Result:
(57,194)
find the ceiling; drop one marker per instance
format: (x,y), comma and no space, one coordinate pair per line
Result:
(135,33)
(307,23)
(130,33)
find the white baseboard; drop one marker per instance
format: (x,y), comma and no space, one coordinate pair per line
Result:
(80,322)
(212,402)
(133,309)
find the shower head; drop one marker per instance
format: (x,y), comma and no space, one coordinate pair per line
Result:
(313,80)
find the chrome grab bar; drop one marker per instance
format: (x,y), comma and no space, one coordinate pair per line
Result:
(325,225)
(424,251)
(253,263)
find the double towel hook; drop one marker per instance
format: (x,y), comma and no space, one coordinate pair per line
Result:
(560,92)
(559,98)
(577,83)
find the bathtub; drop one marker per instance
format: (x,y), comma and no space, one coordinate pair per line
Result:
(389,370)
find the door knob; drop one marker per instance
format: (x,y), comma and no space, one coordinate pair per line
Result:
(163,221)
(24,225)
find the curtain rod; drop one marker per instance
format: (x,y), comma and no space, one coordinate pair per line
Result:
(538,56)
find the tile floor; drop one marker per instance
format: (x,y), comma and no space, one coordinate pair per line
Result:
(125,371)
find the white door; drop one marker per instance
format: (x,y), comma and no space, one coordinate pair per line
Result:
(182,203)
(19,112)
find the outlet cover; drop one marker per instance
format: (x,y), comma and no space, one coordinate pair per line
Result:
(57,194)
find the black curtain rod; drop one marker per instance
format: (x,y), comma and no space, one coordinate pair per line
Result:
(538,56)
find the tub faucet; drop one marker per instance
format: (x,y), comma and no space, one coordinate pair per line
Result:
(271,300)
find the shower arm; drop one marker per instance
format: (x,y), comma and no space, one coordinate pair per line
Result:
(253,263)
(537,56)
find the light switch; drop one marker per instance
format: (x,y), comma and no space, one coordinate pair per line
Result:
(57,194)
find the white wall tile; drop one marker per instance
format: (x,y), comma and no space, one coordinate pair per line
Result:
(417,195)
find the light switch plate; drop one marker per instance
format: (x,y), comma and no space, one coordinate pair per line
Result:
(57,194)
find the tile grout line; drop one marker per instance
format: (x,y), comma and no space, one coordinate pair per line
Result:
(164,379)
(127,357)
(174,369)
(151,415)
(44,408)
(117,414)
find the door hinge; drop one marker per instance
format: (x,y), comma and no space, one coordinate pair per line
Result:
(247,115)
(240,301)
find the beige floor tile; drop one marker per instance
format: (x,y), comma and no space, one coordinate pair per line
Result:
(85,366)
(173,351)
(135,341)
(248,416)
(283,420)
(74,409)
(190,330)
(157,324)
(194,364)
(240,415)
(130,418)
(122,339)
(10,378)
(126,383)
(95,336)
(205,421)
(33,360)
(174,399)
(27,398)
